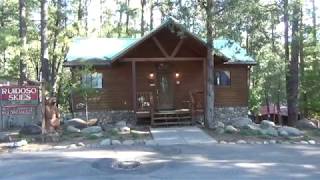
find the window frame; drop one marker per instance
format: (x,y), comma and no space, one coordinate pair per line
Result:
(215,78)
(93,80)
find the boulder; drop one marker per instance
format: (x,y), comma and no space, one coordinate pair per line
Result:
(139,142)
(151,143)
(5,137)
(77,123)
(218,125)
(273,141)
(269,131)
(283,133)
(72,146)
(92,122)
(231,129)
(291,131)
(30,129)
(124,130)
(81,144)
(16,144)
(304,142)
(121,124)
(105,142)
(219,130)
(253,127)
(241,122)
(73,129)
(222,142)
(115,142)
(128,142)
(60,147)
(97,135)
(312,142)
(91,130)
(306,124)
(241,141)
(265,124)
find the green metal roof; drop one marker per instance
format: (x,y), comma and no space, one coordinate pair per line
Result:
(232,51)
(104,50)
(83,49)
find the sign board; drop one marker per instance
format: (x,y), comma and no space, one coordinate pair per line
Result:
(18,105)
(19,95)
(18,110)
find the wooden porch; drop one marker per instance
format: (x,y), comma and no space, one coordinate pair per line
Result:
(146,110)
(166,69)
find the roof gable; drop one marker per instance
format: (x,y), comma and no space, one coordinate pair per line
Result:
(101,51)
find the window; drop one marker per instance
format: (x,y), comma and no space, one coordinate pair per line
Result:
(93,80)
(222,78)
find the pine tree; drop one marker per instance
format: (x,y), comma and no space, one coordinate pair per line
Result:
(23,41)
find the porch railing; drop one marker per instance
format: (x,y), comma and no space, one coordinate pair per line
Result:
(144,101)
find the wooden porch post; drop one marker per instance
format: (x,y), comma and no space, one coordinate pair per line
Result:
(134,88)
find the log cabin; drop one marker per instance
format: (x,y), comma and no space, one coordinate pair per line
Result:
(161,77)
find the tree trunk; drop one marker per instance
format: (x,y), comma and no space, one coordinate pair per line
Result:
(278,102)
(44,42)
(286,41)
(151,14)
(304,100)
(266,95)
(55,54)
(314,23)
(127,17)
(143,3)
(209,110)
(23,41)
(86,13)
(101,17)
(314,36)
(120,21)
(293,81)
(80,16)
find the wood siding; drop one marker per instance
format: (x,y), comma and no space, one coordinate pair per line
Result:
(117,85)
(116,91)
(237,93)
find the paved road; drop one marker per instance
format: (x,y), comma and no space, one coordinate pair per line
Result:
(202,161)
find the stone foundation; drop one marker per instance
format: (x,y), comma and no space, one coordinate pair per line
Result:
(226,114)
(105,117)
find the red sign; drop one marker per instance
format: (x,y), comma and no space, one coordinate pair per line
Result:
(18,110)
(19,94)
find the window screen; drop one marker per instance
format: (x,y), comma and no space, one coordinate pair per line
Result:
(93,80)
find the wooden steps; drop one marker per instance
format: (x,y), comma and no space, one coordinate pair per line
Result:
(171,117)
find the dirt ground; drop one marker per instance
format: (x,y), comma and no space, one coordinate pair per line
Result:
(79,139)
(308,135)
(66,139)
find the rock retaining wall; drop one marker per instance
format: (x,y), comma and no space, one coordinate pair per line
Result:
(105,117)
(226,114)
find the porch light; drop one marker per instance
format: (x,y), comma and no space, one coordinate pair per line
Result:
(177,75)
(151,76)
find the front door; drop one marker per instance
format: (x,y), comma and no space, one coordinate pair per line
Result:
(165,87)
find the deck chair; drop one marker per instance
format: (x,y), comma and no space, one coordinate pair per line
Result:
(197,104)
